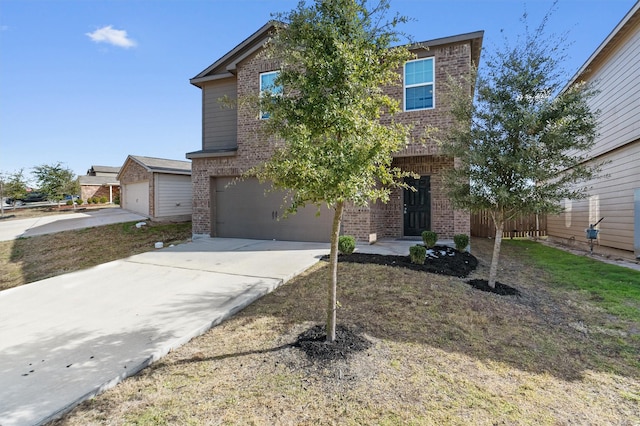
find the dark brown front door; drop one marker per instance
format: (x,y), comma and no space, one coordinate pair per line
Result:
(417,206)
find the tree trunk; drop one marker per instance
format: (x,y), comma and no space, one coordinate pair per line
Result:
(332,301)
(493,271)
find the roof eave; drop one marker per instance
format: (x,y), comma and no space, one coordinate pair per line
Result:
(613,35)
(238,50)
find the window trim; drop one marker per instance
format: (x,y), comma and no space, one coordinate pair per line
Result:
(265,115)
(410,86)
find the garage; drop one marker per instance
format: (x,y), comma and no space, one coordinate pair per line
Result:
(158,188)
(173,195)
(136,197)
(242,210)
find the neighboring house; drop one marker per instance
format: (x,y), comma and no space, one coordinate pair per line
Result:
(156,187)
(232,143)
(100,181)
(614,70)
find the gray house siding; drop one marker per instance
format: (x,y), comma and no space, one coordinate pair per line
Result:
(220,122)
(614,71)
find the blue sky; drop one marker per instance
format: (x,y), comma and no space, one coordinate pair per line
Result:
(88,82)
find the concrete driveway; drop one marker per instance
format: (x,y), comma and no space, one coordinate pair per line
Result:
(67,338)
(12,229)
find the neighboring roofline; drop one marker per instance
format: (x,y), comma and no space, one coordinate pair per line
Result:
(155,169)
(86,180)
(600,50)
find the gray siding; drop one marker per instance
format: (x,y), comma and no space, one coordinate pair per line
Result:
(618,101)
(173,195)
(611,197)
(615,73)
(220,122)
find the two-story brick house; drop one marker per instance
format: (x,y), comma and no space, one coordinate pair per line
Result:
(232,144)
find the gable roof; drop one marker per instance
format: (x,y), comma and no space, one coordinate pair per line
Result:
(159,165)
(98,180)
(226,66)
(628,23)
(103,169)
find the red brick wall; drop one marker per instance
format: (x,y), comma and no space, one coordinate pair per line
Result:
(89,191)
(133,172)
(421,156)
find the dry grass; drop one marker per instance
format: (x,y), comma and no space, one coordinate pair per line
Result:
(443,353)
(31,259)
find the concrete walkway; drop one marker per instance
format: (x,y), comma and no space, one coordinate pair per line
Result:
(67,338)
(12,229)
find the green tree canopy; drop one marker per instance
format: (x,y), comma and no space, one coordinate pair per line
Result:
(55,180)
(14,186)
(336,57)
(521,145)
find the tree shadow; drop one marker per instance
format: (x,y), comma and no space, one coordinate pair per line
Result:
(534,332)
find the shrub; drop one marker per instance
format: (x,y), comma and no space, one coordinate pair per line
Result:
(346,244)
(429,238)
(116,200)
(93,200)
(69,202)
(418,254)
(79,201)
(461,241)
(103,200)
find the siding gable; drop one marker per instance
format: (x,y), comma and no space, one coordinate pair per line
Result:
(219,121)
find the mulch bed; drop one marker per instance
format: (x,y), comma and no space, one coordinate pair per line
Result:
(441,260)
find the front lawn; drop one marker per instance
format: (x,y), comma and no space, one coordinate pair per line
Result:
(440,353)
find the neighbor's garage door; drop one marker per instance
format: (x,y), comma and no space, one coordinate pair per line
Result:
(136,197)
(243,211)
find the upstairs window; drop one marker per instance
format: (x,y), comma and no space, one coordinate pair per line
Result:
(268,85)
(418,84)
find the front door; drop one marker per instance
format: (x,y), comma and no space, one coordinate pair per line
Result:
(417,206)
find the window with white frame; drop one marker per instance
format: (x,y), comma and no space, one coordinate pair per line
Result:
(418,84)
(268,85)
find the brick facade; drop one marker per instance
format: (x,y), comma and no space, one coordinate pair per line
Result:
(365,223)
(133,172)
(90,191)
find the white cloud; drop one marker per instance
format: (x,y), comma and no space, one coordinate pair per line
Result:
(109,35)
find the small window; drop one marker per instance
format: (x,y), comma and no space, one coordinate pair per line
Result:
(418,84)
(268,84)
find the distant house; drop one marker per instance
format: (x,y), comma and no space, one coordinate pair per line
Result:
(232,143)
(613,69)
(156,187)
(100,181)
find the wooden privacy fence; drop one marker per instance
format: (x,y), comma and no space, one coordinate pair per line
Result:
(525,226)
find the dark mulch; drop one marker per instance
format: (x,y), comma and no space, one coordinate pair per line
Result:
(348,341)
(500,289)
(441,260)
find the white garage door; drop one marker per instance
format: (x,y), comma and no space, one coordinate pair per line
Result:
(136,197)
(243,211)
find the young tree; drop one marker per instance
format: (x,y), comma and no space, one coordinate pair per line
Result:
(520,146)
(14,186)
(335,59)
(55,180)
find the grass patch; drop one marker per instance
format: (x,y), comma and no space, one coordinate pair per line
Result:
(442,353)
(613,288)
(31,259)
